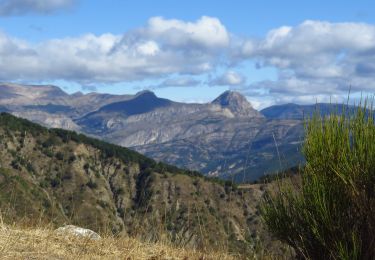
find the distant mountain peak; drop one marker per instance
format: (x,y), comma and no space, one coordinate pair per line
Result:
(236,103)
(143,102)
(229,98)
(146,93)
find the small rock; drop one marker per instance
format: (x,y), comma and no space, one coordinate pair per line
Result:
(78,231)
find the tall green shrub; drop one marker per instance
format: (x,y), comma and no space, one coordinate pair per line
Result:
(330,214)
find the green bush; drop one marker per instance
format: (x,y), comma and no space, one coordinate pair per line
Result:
(330,214)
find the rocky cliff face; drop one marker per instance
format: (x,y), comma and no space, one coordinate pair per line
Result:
(236,104)
(225,138)
(74,179)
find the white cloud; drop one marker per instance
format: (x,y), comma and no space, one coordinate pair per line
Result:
(287,45)
(315,58)
(161,48)
(21,7)
(148,48)
(229,78)
(207,32)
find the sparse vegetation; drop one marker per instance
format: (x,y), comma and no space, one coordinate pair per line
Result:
(114,190)
(44,243)
(56,136)
(330,213)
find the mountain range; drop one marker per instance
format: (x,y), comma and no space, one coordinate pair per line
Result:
(225,138)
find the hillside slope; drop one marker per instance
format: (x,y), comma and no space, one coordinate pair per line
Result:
(63,177)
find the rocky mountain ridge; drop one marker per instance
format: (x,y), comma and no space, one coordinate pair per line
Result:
(237,104)
(225,138)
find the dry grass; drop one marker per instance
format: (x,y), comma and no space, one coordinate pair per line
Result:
(44,243)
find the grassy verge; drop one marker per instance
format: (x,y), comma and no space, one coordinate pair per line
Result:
(44,243)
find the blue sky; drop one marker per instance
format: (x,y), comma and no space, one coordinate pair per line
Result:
(271,51)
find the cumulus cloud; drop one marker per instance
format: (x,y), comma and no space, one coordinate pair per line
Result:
(207,32)
(229,78)
(312,59)
(161,48)
(21,7)
(316,58)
